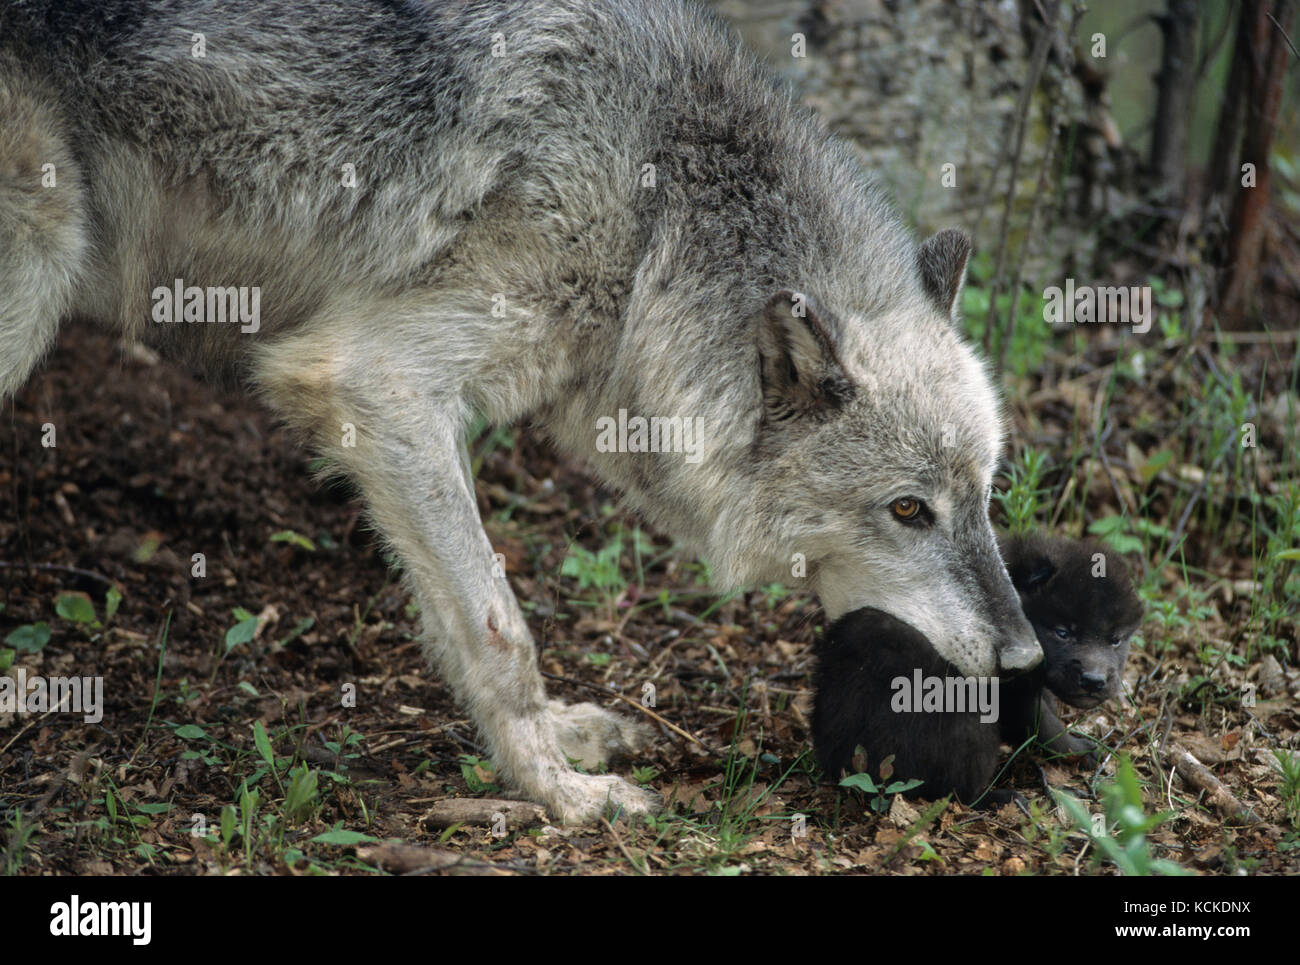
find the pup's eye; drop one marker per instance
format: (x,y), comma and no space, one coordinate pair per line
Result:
(906,509)
(1062,632)
(1116,641)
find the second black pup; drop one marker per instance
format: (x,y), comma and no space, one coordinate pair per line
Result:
(1081,602)
(1079,597)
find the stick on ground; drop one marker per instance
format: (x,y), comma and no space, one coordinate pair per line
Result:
(1198,776)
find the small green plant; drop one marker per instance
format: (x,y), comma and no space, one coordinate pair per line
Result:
(260,822)
(361,616)
(1022,500)
(599,570)
(120,825)
(1171,327)
(348,738)
(1041,829)
(1030,335)
(243,630)
(1282,550)
(15,841)
(1122,839)
(715,837)
(923,820)
(644,775)
(293,539)
(29,638)
(77,607)
(1288,767)
(478,774)
(882,789)
(204,747)
(250,801)
(185,693)
(301,799)
(1117,532)
(341,837)
(299,628)
(735,821)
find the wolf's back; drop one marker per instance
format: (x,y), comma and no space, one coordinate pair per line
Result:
(502,143)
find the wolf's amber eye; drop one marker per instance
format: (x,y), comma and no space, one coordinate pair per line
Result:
(906,508)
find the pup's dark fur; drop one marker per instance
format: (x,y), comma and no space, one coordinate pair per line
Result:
(1082,620)
(1080,600)
(858,657)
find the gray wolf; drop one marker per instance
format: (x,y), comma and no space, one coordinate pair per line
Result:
(507,210)
(1081,602)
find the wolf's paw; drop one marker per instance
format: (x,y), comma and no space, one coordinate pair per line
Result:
(593,736)
(582,798)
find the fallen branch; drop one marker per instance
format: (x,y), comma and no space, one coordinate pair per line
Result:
(481,810)
(60,568)
(409,859)
(1198,776)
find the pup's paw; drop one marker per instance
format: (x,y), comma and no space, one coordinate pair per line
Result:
(593,736)
(1077,746)
(1095,756)
(583,798)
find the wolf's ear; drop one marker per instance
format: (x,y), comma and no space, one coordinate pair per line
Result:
(799,371)
(942,260)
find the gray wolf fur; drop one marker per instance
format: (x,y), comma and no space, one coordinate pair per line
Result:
(517,209)
(1084,618)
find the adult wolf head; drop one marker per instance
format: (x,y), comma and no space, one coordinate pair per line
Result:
(878,439)
(846,448)
(897,431)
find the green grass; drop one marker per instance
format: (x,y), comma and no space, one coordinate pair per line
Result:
(714,841)
(1022,501)
(1119,835)
(1287,764)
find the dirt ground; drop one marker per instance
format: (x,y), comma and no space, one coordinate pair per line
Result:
(151,467)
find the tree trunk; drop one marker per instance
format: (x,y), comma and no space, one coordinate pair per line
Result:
(1267,75)
(1175,84)
(1221,176)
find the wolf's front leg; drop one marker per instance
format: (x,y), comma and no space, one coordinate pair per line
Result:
(407,455)
(422,498)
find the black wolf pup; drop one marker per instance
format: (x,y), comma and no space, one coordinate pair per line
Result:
(1080,600)
(859,659)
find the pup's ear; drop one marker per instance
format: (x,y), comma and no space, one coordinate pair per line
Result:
(799,370)
(942,260)
(1029,571)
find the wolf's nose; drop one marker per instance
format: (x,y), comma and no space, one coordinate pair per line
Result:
(1093,683)
(1019,657)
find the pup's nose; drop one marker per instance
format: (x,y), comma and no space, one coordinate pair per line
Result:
(1093,683)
